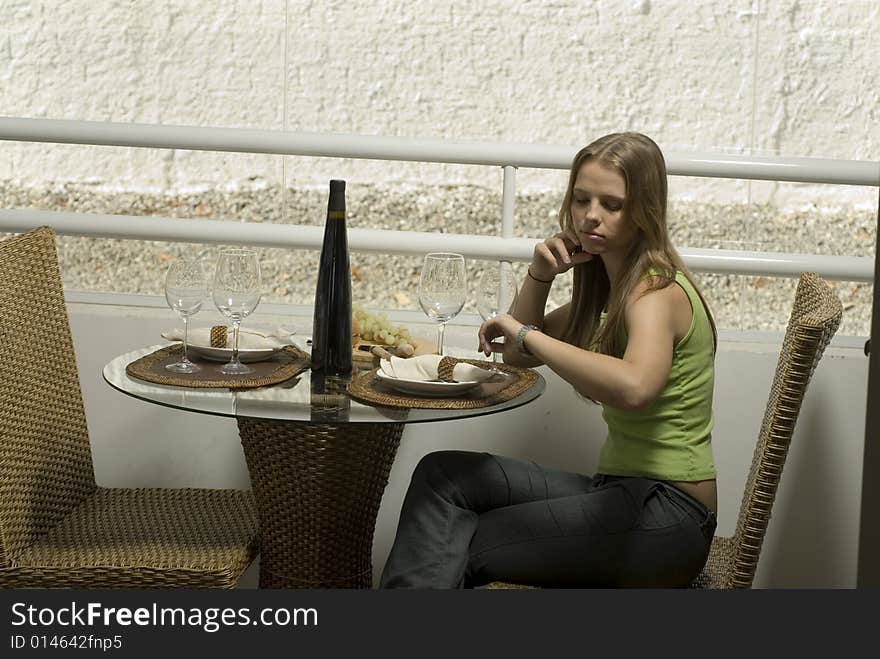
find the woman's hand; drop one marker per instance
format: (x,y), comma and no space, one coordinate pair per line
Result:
(556,255)
(499,326)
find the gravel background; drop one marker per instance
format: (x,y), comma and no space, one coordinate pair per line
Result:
(738,302)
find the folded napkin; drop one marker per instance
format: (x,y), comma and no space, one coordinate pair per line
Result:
(434,367)
(200,337)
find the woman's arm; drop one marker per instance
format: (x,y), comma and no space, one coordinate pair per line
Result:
(554,256)
(630,383)
(528,307)
(553,325)
(551,257)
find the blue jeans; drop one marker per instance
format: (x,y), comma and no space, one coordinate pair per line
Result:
(472,518)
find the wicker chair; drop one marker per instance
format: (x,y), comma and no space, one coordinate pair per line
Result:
(57,527)
(814,319)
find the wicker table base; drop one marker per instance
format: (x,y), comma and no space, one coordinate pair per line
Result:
(317,489)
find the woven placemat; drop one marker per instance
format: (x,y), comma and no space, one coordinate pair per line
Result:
(368,388)
(283,365)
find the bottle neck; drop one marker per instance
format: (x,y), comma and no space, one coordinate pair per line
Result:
(336,203)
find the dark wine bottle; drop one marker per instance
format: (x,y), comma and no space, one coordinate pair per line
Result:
(331,329)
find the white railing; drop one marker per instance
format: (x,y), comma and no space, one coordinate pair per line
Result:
(246,140)
(490,248)
(507,156)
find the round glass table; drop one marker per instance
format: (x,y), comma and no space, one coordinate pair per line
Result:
(318,461)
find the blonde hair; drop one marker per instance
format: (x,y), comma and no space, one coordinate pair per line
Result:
(640,162)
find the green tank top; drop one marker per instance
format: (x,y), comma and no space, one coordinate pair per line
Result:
(671,440)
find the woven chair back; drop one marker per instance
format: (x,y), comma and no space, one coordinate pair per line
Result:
(45,459)
(815,317)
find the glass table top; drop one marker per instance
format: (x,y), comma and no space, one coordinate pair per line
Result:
(299,399)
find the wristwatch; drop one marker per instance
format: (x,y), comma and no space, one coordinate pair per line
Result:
(520,339)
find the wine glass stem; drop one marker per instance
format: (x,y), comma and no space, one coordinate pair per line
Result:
(235,324)
(185,328)
(440,328)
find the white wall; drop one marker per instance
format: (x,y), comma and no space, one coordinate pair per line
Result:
(813,535)
(794,77)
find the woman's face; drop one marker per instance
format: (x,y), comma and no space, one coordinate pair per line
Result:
(597,210)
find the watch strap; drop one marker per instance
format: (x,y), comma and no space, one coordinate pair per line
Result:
(521,337)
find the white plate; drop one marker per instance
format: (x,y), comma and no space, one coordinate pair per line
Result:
(426,387)
(225,354)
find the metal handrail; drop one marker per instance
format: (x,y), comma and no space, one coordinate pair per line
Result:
(542,156)
(508,156)
(413,243)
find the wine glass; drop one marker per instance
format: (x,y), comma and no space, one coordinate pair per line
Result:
(442,289)
(496,292)
(186,287)
(236,293)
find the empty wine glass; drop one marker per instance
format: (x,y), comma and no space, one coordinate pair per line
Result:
(442,289)
(185,289)
(496,292)
(236,292)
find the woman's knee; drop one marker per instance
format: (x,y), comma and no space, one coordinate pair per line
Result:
(446,465)
(454,472)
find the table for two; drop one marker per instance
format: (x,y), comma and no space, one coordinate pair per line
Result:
(318,459)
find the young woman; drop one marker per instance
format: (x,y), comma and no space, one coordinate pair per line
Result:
(636,337)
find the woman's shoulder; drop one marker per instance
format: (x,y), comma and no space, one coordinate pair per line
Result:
(653,281)
(660,289)
(659,285)
(664,300)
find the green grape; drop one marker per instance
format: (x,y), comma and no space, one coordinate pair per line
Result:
(377,327)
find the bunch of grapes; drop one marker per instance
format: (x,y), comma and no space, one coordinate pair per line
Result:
(376,328)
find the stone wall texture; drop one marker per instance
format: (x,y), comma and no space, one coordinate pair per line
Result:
(790,77)
(787,77)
